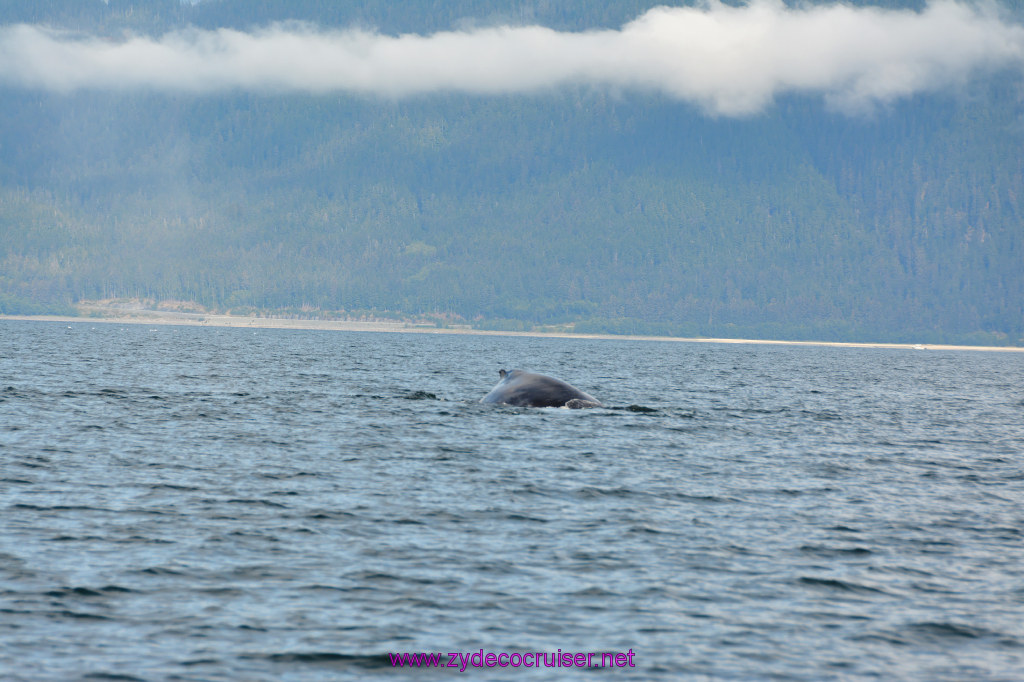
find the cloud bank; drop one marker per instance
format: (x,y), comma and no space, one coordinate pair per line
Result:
(729,60)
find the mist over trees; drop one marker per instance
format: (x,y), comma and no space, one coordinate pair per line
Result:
(611,209)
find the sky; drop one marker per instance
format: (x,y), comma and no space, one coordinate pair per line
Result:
(730,61)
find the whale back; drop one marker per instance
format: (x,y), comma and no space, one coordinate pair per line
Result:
(526,389)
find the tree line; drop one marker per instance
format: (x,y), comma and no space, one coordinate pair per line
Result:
(634,214)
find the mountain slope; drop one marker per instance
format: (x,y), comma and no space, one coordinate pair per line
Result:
(612,210)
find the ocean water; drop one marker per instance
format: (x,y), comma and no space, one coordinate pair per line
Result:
(183,503)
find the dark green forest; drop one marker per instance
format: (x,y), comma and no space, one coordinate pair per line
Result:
(610,211)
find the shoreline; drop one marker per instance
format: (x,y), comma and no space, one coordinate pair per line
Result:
(155,317)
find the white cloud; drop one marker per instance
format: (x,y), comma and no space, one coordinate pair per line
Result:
(729,60)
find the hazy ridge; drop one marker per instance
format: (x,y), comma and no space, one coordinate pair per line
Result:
(613,209)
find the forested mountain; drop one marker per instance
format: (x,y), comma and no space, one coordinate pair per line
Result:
(613,209)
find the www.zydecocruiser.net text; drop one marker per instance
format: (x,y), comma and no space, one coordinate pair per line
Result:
(462,661)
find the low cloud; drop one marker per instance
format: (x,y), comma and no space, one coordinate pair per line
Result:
(729,60)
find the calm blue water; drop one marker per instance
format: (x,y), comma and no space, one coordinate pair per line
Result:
(234,504)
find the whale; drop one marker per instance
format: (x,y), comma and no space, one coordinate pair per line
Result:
(526,389)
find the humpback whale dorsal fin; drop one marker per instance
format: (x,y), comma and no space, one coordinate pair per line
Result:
(502,373)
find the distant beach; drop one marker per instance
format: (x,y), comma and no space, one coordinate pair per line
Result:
(161,317)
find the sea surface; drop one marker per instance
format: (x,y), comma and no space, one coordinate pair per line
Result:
(183,503)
